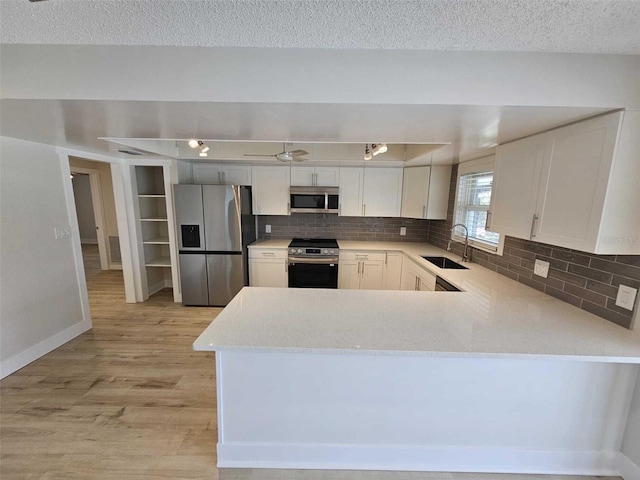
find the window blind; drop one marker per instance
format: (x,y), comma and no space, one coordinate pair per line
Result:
(474,199)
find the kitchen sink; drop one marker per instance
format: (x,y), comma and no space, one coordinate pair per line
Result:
(444,262)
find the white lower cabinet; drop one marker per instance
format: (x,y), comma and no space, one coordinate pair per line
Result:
(361,270)
(414,277)
(268,267)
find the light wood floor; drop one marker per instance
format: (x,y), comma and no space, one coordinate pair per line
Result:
(131,400)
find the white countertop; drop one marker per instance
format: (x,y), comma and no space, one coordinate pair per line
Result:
(494,316)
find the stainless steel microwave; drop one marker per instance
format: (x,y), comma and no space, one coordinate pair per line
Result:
(314,200)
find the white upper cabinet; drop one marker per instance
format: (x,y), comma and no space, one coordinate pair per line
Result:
(515,186)
(382,193)
(425,192)
(315,176)
(351,188)
(575,187)
(236,174)
(270,190)
(415,192)
(221,174)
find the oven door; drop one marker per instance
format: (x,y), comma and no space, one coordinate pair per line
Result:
(313,273)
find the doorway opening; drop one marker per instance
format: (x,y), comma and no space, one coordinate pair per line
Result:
(97,224)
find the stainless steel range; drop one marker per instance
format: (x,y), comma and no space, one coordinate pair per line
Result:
(313,263)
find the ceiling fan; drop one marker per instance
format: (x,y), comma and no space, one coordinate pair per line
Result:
(285,155)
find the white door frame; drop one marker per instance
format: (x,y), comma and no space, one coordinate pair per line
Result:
(98,213)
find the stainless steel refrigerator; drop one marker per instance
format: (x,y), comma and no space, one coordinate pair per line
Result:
(215,224)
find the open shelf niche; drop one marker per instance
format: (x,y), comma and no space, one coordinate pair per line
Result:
(152,204)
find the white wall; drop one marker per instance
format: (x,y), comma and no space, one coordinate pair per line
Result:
(84,208)
(631,442)
(41,305)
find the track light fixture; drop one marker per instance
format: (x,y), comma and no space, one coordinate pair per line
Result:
(193,143)
(203,148)
(367,152)
(374,149)
(377,148)
(203,154)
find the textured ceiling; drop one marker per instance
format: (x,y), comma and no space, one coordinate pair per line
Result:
(601,26)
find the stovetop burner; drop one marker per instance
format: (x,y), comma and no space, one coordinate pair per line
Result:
(314,242)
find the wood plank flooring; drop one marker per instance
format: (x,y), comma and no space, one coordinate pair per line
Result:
(131,400)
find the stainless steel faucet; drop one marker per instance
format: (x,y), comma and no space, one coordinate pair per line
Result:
(465,257)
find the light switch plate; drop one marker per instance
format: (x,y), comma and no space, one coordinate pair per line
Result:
(62,232)
(403,231)
(541,268)
(626,297)
(267,228)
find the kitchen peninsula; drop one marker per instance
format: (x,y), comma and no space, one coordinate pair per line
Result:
(496,378)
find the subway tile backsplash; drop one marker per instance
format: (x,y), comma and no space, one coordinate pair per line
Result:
(585,280)
(307,225)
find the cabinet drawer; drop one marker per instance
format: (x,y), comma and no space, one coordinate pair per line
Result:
(356,256)
(279,253)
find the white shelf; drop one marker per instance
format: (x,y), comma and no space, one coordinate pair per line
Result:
(157,241)
(152,195)
(159,262)
(153,219)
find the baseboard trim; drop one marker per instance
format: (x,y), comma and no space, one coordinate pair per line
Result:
(36,351)
(628,469)
(412,458)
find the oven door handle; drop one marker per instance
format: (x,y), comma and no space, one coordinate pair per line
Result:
(313,260)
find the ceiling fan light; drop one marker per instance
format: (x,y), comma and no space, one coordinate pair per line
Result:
(193,143)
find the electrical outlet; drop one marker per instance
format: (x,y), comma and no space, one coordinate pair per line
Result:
(541,268)
(62,232)
(267,228)
(626,297)
(403,231)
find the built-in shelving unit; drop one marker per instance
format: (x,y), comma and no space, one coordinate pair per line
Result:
(152,205)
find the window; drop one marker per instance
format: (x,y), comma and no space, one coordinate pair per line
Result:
(473,199)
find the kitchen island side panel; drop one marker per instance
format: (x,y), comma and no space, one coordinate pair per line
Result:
(345,411)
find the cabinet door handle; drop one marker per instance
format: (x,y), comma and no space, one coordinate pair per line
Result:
(288,209)
(363,264)
(359,267)
(268,254)
(415,284)
(386,256)
(424,211)
(219,177)
(224,177)
(533,225)
(418,279)
(286,266)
